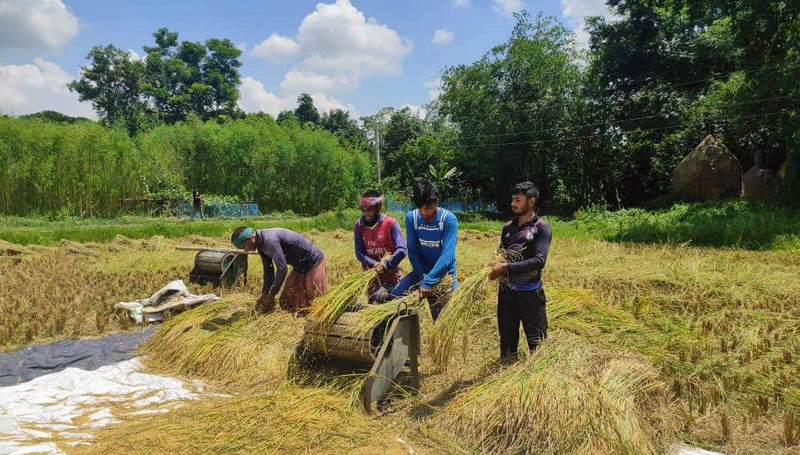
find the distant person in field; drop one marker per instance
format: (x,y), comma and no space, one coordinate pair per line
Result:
(521,298)
(197,202)
(379,243)
(308,278)
(431,232)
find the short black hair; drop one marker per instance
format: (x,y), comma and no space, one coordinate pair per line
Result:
(236,233)
(425,192)
(371,193)
(526,188)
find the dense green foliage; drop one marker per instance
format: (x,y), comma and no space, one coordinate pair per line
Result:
(279,166)
(603,125)
(84,169)
(175,80)
(54,116)
(607,126)
(81,169)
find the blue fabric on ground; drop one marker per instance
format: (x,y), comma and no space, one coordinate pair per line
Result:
(39,359)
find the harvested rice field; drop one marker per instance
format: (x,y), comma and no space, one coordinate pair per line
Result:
(650,347)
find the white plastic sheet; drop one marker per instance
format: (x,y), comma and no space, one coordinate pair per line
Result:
(49,405)
(694,451)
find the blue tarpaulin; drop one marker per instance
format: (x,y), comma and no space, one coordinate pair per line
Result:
(40,359)
(219,209)
(455,206)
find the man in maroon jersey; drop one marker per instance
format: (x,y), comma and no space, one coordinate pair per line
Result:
(379,243)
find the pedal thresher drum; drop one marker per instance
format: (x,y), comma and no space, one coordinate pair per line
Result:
(218,267)
(386,350)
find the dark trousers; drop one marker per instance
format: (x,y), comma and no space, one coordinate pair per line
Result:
(515,307)
(410,283)
(197,208)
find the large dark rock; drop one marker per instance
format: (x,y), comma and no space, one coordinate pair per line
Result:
(710,172)
(760,184)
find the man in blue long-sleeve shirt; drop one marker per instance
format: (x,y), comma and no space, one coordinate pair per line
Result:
(521,298)
(379,243)
(432,233)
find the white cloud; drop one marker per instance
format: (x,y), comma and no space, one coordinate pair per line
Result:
(256,98)
(460,4)
(575,11)
(338,38)
(419,111)
(135,55)
(582,8)
(276,48)
(38,24)
(435,88)
(442,36)
(335,47)
(309,81)
(508,7)
(29,88)
(242,46)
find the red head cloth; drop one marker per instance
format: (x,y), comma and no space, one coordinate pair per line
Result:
(370,201)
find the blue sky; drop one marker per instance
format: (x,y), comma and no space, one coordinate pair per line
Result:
(358,55)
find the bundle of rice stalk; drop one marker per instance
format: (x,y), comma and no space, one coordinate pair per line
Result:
(225,343)
(566,398)
(371,315)
(288,420)
(327,308)
(454,318)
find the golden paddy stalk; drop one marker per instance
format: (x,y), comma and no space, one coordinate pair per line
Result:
(454,319)
(566,398)
(223,342)
(723,343)
(370,315)
(288,420)
(327,308)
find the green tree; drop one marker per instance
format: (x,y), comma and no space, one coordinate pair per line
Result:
(286,115)
(511,107)
(306,112)
(667,73)
(338,122)
(221,72)
(175,80)
(192,78)
(403,126)
(445,179)
(112,83)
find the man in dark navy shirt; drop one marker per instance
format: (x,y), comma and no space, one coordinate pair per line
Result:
(283,247)
(521,298)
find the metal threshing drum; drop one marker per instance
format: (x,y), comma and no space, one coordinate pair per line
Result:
(218,267)
(390,346)
(213,263)
(339,343)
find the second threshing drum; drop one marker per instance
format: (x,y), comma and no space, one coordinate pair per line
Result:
(218,267)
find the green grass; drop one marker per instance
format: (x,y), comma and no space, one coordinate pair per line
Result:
(729,224)
(736,224)
(39,231)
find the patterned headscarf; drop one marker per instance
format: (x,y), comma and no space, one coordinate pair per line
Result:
(238,242)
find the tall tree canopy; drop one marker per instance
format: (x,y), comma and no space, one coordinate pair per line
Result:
(306,111)
(175,80)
